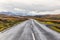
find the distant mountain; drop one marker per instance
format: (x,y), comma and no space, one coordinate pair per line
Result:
(15,14)
(47,16)
(7,13)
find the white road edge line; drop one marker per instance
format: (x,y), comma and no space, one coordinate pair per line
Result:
(33,36)
(42,37)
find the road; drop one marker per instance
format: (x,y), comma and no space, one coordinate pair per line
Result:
(30,30)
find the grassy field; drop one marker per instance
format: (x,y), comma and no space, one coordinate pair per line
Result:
(6,23)
(53,24)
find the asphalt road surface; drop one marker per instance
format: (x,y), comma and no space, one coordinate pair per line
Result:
(30,30)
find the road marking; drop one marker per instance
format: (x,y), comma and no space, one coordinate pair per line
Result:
(33,36)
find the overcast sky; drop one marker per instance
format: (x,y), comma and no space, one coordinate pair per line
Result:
(34,7)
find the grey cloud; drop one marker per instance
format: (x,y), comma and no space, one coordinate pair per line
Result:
(32,7)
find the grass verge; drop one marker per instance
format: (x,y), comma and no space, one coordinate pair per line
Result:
(52,25)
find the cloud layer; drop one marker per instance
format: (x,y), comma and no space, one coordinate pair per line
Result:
(34,7)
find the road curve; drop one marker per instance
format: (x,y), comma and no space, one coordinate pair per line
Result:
(44,32)
(30,30)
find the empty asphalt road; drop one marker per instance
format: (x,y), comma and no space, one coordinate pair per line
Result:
(30,30)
